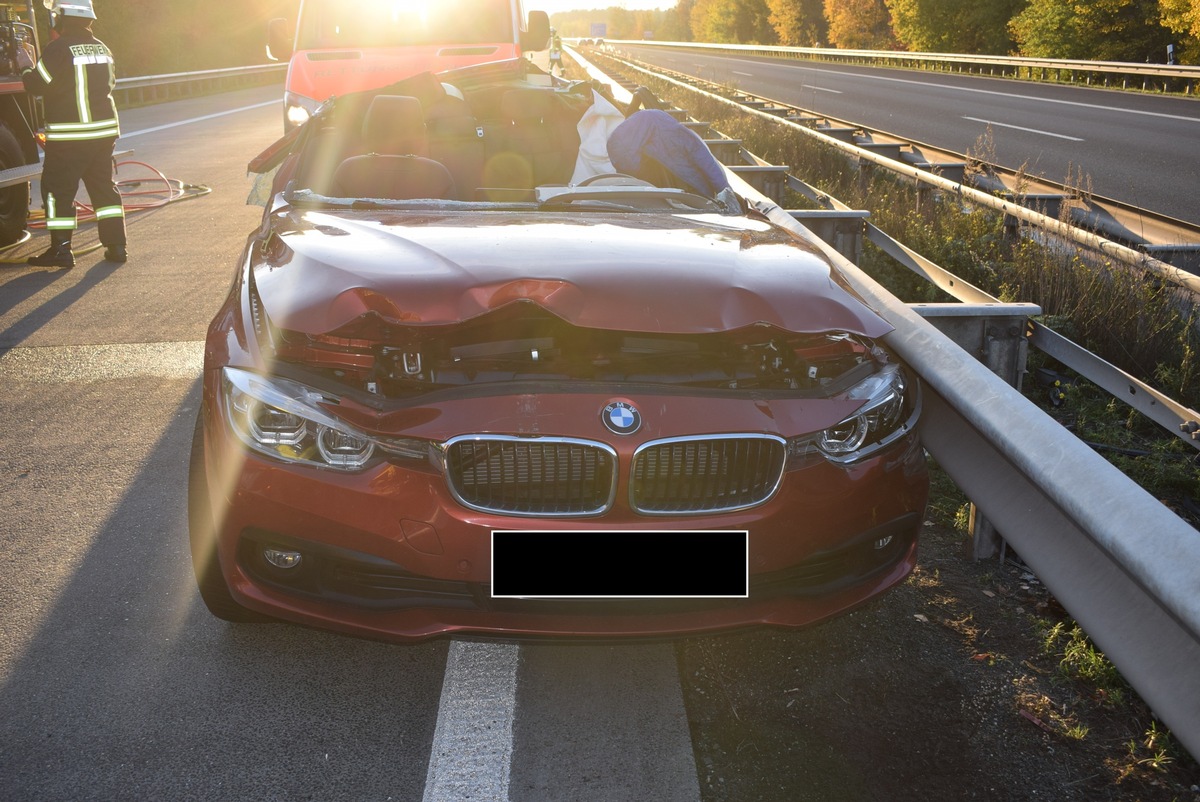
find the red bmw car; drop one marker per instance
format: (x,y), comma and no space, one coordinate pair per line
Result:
(454,389)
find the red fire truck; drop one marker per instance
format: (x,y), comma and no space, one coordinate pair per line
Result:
(19,120)
(339,46)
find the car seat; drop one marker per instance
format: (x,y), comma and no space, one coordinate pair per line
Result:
(395,165)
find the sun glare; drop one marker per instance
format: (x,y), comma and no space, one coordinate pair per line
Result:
(416,12)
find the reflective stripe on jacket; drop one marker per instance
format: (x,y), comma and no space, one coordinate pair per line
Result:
(76,76)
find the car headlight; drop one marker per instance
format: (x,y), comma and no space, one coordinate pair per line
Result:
(297,109)
(889,412)
(285,420)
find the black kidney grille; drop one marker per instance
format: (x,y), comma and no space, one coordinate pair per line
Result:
(705,475)
(535,476)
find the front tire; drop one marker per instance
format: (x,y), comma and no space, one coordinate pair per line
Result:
(14,200)
(202,534)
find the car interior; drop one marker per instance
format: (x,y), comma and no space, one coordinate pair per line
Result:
(471,145)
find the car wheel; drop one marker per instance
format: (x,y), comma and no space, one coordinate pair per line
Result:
(202,534)
(14,200)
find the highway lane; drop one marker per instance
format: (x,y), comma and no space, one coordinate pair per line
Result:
(116,683)
(1139,149)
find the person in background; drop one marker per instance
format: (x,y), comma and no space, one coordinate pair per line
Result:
(76,77)
(556,53)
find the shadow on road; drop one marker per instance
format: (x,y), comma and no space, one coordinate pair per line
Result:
(129,689)
(22,288)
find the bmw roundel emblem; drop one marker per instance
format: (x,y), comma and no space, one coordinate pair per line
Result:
(621,417)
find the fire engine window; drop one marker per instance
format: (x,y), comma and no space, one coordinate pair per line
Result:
(403,23)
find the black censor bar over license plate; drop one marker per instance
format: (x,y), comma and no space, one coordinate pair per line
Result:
(607,564)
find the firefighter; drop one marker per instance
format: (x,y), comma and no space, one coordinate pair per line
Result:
(76,77)
(556,53)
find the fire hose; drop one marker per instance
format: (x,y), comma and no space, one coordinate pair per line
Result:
(154,192)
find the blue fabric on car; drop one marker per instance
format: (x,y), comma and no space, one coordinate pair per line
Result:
(651,140)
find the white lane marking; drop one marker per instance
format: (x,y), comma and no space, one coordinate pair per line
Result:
(198,119)
(821,89)
(747,74)
(1075,103)
(472,743)
(53,364)
(1020,128)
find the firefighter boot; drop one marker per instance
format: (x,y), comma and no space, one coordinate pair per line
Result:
(57,255)
(116,253)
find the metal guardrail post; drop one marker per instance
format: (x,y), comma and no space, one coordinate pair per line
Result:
(991,331)
(995,335)
(843,229)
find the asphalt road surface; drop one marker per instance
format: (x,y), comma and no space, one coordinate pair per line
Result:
(116,683)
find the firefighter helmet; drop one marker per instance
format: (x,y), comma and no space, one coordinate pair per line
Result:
(71,8)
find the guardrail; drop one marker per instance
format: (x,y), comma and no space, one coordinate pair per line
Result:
(1132,231)
(1103,73)
(142,90)
(1120,561)
(1173,416)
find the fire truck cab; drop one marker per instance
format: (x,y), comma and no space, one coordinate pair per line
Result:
(338,46)
(19,120)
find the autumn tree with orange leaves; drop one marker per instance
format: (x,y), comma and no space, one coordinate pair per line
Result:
(954,26)
(799,23)
(859,24)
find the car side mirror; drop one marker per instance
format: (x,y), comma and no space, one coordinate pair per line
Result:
(537,34)
(279,39)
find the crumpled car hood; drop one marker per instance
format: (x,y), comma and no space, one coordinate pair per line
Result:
(659,273)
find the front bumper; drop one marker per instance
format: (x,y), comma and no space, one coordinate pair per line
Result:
(390,554)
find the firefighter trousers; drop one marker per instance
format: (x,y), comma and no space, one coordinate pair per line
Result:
(89,160)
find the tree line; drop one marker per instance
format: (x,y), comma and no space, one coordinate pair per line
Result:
(1103,30)
(150,37)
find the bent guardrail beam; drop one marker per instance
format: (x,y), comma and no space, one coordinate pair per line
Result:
(1124,565)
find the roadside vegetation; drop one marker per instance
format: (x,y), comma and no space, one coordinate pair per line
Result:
(1142,324)
(1113,30)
